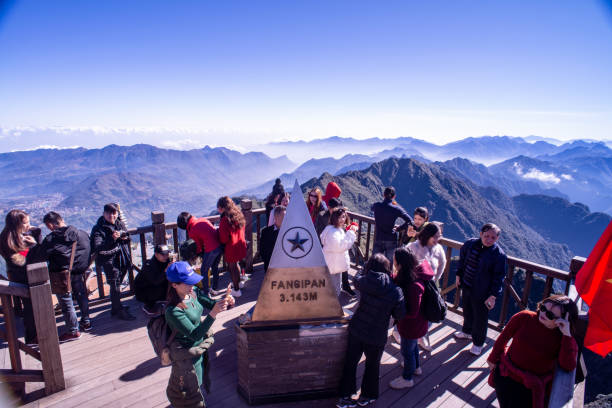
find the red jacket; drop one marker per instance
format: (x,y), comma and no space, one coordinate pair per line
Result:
(414,325)
(233,238)
(331,191)
(203,233)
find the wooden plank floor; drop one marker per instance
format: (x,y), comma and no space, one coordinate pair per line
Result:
(114,366)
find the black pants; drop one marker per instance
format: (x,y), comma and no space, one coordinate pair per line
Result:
(510,393)
(475,317)
(369,383)
(113,278)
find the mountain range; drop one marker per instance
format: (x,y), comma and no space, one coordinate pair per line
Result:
(142,178)
(529,231)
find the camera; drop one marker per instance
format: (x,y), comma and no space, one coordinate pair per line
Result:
(124,234)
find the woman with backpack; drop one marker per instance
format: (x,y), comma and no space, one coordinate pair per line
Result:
(188,349)
(411,278)
(380,299)
(427,247)
(231,234)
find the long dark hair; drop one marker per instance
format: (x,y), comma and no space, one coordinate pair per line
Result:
(174,299)
(378,263)
(11,239)
(232,212)
(427,232)
(566,305)
(406,268)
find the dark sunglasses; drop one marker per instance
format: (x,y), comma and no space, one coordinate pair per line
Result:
(549,315)
(313,195)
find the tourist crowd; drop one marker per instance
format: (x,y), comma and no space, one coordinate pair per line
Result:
(392,288)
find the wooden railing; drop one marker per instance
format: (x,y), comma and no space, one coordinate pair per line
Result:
(40,294)
(38,291)
(365,242)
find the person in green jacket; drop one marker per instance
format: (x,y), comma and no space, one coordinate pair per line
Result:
(192,336)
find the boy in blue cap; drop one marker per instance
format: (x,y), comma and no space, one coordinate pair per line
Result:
(186,304)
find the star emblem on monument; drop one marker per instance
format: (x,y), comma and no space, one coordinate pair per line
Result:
(297,242)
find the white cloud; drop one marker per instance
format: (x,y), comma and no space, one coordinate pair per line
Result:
(567,177)
(46,147)
(536,174)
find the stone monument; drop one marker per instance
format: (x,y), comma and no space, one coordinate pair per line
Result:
(294,346)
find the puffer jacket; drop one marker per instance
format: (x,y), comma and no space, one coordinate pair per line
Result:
(102,241)
(414,325)
(56,248)
(380,299)
(336,243)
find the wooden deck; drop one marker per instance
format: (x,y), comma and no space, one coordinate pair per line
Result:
(114,366)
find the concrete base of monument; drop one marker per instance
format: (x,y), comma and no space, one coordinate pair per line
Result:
(290,361)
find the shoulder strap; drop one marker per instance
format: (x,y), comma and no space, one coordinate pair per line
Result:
(171,338)
(74,244)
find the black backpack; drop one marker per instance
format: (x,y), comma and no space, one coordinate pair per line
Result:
(433,305)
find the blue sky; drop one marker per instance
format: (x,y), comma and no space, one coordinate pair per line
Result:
(238,73)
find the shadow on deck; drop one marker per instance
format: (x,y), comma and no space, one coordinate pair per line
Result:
(114,366)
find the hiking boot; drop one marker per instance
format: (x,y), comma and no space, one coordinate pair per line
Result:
(423,344)
(85,326)
(463,336)
(400,383)
(70,336)
(418,371)
(346,402)
(363,401)
(123,314)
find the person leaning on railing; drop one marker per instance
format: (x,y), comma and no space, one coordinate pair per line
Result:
(17,239)
(522,374)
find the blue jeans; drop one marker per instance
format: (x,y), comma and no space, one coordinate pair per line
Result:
(210,260)
(410,352)
(68,310)
(80,293)
(387,248)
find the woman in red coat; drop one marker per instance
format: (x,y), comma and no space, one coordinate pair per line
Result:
(522,373)
(231,234)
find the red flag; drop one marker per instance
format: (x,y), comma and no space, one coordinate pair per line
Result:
(594,283)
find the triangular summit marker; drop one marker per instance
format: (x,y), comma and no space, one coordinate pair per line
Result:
(298,284)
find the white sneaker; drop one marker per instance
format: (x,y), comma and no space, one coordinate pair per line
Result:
(241,284)
(418,371)
(476,350)
(423,344)
(396,335)
(236,293)
(400,383)
(463,336)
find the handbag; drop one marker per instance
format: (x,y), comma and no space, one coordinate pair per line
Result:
(60,281)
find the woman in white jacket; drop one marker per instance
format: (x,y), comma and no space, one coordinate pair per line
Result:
(337,241)
(427,247)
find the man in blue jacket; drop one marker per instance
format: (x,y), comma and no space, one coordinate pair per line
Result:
(385,214)
(481,270)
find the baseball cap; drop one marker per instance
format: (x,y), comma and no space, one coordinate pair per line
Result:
(182,272)
(162,249)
